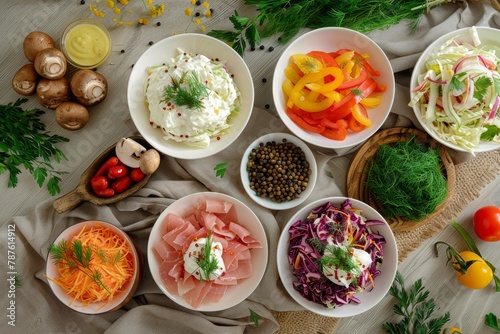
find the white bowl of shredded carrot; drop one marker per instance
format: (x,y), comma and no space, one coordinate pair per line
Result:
(93,267)
(179,239)
(333,87)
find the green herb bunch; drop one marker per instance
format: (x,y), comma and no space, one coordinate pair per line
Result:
(287,17)
(206,261)
(26,143)
(187,91)
(77,257)
(415,308)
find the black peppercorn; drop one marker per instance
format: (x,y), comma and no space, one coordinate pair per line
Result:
(122,51)
(264,80)
(271,49)
(151,43)
(262,47)
(158,24)
(267,106)
(82,2)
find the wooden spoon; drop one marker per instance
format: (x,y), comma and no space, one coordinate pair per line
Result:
(83,192)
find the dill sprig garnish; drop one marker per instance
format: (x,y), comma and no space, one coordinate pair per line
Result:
(206,261)
(317,245)
(415,308)
(26,143)
(76,257)
(339,258)
(286,18)
(188,91)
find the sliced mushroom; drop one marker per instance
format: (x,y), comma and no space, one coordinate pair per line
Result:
(89,87)
(72,116)
(35,42)
(51,63)
(25,80)
(51,93)
(129,152)
(149,162)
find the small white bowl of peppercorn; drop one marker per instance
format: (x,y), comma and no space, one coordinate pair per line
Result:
(278,171)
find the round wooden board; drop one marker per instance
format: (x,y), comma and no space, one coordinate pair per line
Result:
(356,175)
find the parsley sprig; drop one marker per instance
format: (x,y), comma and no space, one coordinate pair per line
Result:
(415,308)
(76,256)
(491,320)
(25,143)
(187,91)
(220,169)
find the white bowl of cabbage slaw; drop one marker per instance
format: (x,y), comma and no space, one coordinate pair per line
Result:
(455,89)
(321,288)
(216,124)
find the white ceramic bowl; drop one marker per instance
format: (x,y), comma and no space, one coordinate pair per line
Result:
(246,218)
(163,51)
(487,35)
(266,202)
(119,299)
(329,40)
(368,298)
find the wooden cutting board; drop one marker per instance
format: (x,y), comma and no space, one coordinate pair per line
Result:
(356,174)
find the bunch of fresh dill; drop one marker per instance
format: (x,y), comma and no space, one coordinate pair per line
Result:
(287,17)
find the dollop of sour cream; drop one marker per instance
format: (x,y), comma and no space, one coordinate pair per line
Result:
(361,259)
(192,256)
(194,126)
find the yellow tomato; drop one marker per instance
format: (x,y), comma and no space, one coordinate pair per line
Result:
(478,275)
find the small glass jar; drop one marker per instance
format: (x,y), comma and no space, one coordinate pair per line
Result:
(86,43)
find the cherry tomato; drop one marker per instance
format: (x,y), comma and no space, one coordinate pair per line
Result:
(137,175)
(113,161)
(478,274)
(487,223)
(99,183)
(116,172)
(121,184)
(108,192)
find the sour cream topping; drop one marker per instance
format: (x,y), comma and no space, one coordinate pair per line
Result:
(361,259)
(192,256)
(192,125)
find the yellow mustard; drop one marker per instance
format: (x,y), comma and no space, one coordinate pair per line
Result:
(86,44)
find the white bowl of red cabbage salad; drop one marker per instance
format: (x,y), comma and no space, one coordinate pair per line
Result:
(178,242)
(455,88)
(190,95)
(337,257)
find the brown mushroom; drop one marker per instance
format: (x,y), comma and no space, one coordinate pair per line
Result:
(51,93)
(25,80)
(51,63)
(72,116)
(149,161)
(89,87)
(35,42)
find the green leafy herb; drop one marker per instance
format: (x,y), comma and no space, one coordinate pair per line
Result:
(317,244)
(490,133)
(415,308)
(481,86)
(329,174)
(76,257)
(456,84)
(286,18)
(206,261)
(17,281)
(255,317)
(220,169)
(187,91)
(406,178)
(339,258)
(26,143)
(496,84)
(492,321)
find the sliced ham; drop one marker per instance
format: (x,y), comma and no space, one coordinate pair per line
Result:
(220,217)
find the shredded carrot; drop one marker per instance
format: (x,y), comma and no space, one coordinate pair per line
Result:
(111,257)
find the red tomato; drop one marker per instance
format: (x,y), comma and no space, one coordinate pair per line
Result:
(137,175)
(115,172)
(108,192)
(487,223)
(121,184)
(99,183)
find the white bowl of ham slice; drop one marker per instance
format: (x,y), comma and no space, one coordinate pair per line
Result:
(231,223)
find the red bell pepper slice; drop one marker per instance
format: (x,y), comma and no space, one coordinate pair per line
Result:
(363,61)
(327,59)
(336,132)
(301,123)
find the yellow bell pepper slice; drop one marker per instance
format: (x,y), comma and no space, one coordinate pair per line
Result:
(371,101)
(301,102)
(287,86)
(307,64)
(344,58)
(292,75)
(359,114)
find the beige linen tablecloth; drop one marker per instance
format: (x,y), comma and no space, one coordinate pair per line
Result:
(152,312)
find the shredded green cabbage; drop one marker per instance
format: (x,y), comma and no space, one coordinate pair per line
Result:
(458,95)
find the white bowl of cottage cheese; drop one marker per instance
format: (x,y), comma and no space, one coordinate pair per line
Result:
(190,96)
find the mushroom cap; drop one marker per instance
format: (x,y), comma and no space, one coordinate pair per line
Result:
(25,80)
(51,63)
(51,93)
(89,87)
(72,116)
(149,161)
(129,152)
(35,42)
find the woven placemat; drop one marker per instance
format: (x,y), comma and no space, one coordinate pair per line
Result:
(471,177)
